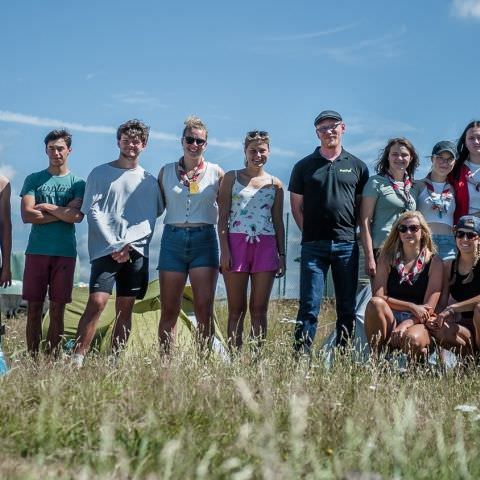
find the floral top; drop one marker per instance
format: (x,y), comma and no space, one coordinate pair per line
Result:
(251,210)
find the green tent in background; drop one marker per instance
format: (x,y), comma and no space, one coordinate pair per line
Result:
(146,315)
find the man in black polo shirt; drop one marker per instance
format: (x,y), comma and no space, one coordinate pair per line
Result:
(325,189)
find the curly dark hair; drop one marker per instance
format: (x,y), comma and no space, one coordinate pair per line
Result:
(134,128)
(382,165)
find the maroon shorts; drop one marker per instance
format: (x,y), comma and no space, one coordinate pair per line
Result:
(44,272)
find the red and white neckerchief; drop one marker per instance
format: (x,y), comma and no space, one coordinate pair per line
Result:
(403,193)
(183,173)
(439,201)
(471,174)
(411,276)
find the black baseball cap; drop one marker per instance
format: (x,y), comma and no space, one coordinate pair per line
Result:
(445,146)
(469,223)
(327,114)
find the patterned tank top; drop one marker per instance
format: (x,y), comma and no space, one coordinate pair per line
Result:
(251,210)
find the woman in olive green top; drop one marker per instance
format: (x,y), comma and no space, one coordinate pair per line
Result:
(386,196)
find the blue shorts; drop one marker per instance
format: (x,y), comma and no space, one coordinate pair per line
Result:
(400,316)
(446,246)
(184,248)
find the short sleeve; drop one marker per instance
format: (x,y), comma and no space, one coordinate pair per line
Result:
(363,178)
(296,184)
(89,191)
(79,188)
(28,187)
(371,188)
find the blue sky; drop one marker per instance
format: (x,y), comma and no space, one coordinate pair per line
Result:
(391,68)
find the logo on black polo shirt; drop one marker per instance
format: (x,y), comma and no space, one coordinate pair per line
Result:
(345,170)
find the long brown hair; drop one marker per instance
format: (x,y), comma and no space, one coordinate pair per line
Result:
(462,149)
(382,165)
(393,244)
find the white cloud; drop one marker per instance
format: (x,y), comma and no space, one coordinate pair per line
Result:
(12,117)
(308,35)
(466,8)
(7,170)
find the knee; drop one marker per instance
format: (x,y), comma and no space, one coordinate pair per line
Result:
(476,310)
(237,311)
(376,303)
(258,310)
(417,340)
(96,305)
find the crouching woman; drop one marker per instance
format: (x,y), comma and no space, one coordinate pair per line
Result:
(406,288)
(457,326)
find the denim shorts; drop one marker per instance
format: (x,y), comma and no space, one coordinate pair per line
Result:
(400,316)
(446,246)
(184,248)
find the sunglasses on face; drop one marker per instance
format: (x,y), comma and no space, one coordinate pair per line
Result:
(327,128)
(193,140)
(408,228)
(469,235)
(257,133)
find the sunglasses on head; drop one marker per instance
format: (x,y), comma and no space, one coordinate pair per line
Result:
(257,133)
(463,233)
(408,228)
(193,140)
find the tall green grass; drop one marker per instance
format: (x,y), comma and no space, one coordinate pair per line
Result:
(267,416)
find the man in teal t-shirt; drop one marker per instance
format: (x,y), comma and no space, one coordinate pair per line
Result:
(51,202)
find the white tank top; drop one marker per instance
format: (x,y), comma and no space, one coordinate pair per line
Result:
(437,206)
(251,210)
(185,207)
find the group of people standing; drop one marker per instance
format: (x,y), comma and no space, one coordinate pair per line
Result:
(403,224)
(122,203)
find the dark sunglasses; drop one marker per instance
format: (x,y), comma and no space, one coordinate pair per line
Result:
(196,141)
(257,133)
(469,235)
(408,228)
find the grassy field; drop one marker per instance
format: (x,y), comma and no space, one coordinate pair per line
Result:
(201,418)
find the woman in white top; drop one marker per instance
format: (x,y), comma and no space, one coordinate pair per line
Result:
(436,200)
(189,246)
(252,238)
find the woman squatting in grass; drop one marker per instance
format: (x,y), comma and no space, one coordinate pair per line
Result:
(387,195)
(252,238)
(406,288)
(189,246)
(457,326)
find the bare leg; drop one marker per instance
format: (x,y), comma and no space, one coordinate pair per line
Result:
(456,337)
(172,285)
(262,283)
(476,324)
(88,321)
(379,323)
(55,329)
(34,326)
(123,322)
(204,282)
(236,284)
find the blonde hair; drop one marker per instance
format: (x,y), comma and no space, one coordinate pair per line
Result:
(393,244)
(194,122)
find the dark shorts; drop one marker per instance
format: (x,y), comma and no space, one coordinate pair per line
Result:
(184,248)
(46,272)
(130,278)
